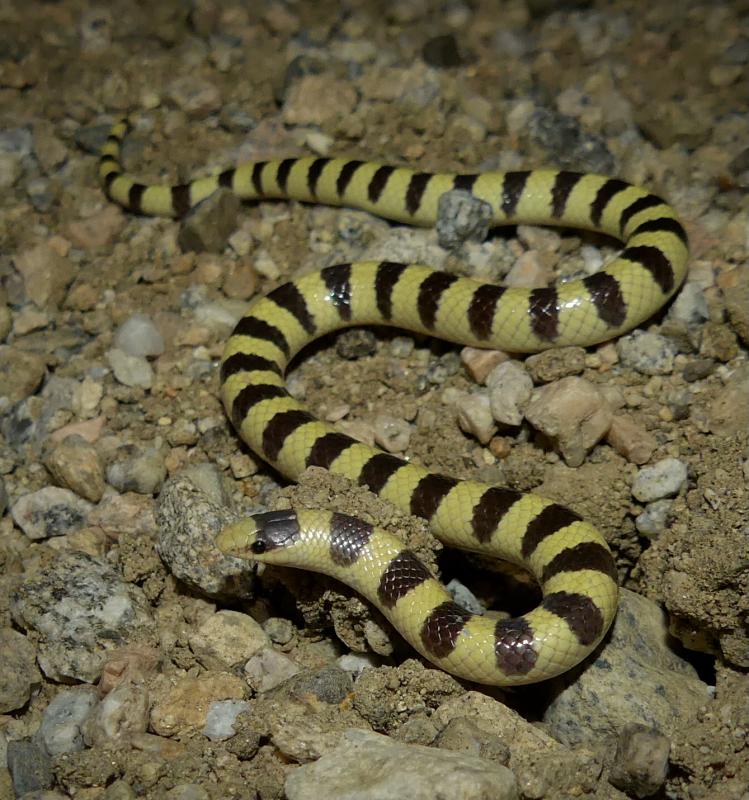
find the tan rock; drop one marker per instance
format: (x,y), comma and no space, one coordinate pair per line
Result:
(630,439)
(184,704)
(230,637)
(479,363)
(20,373)
(99,229)
(74,464)
(45,273)
(240,281)
(316,98)
(573,413)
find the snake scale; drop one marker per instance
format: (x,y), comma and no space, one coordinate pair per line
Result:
(568,556)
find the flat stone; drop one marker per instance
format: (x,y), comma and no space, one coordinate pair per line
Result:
(369,766)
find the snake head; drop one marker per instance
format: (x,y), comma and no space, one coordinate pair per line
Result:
(253,536)
(238,539)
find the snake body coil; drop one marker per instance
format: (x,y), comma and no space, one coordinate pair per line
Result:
(568,556)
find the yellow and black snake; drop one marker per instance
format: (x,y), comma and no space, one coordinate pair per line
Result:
(568,556)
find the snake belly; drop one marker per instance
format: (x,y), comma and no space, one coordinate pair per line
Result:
(568,556)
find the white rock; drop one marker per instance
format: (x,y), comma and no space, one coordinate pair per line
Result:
(51,511)
(130,370)
(268,669)
(63,719)
(648,353)
(220,719)
(665,478)
(475,416)
(138,336)
(391,433)
(690,306)
(652,521)
(510,389)
(357,662)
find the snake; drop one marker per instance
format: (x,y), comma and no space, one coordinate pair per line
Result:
(568,556)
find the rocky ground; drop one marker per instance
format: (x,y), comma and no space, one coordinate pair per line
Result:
(135,660)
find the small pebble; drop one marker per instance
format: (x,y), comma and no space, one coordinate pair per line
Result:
(185,432)
(10,170)
(461,217)
(182,704)
(510,389)
(220,719)
(268,668)
(279,630)
(196,96)
(100,611)
(652,520)
(19,675)
(538,238)
(229,636)
(566,141)
(647,353)
(99,230)
(42,192)
(479,363)
(392,434)
(641,762)
(130,370)
(138,336)
(355,344)
(74,463)
(665,478)
(388,768)
(186,791)
(61,730)
(401,346)
(50,511)
(438,372)
(690,306)
(356,663)
(30,767)
(698,369)
(240,281)
(630,439)
(208,226)
(551,365)
(316,99)
(87,396)
(530,271)
(46,274)
(121,715)
(265,264)
(718,342)
(500,446)
(137,469)
(573,413)
(475,416)
(21,374)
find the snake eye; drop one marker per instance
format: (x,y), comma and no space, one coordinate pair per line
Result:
(258,547)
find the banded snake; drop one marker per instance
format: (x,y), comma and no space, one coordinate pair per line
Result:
(568,556)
